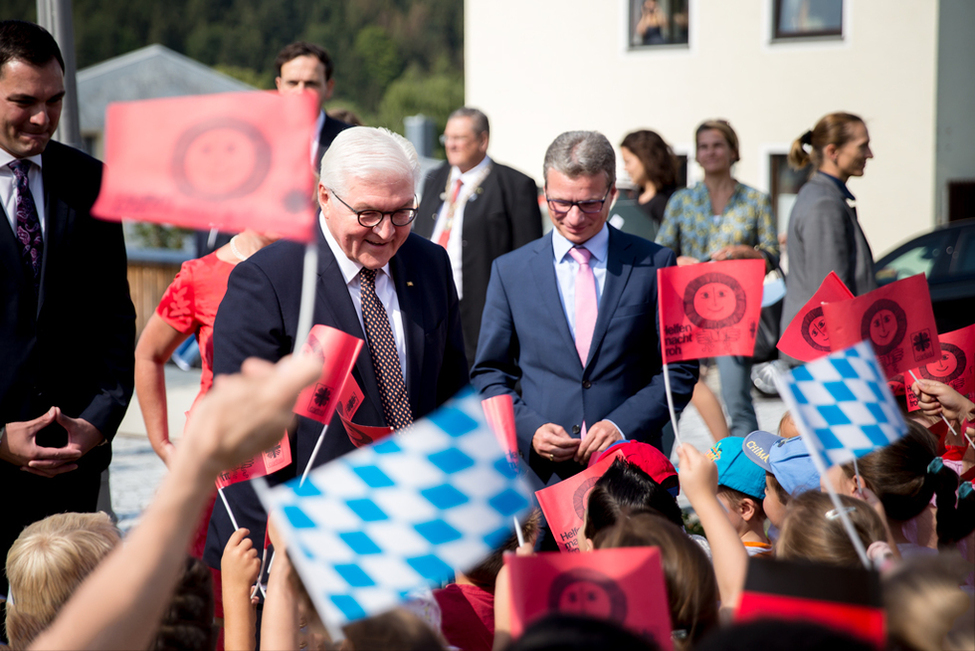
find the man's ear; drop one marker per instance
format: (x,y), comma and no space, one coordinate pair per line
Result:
(323,198)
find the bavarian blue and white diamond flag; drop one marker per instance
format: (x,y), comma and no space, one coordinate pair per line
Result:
(400,514)
(842,405)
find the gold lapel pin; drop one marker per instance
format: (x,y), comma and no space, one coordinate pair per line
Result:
(409,283)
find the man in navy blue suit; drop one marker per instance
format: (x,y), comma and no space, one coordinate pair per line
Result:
(572,317)
(366,194)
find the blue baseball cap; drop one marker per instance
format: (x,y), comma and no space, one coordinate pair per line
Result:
(735,470)
(786,458)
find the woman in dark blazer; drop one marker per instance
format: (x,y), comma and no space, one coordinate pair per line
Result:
(824,234)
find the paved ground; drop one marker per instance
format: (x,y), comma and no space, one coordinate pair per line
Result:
(136,470)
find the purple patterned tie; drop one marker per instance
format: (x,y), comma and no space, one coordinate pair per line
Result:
(382,349)
(28,225)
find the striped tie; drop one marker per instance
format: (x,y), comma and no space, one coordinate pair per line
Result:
(382,349)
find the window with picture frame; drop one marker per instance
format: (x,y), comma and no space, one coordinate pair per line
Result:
(658,22)
(796,19)
(784,184)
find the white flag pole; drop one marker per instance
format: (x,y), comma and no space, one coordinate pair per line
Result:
(670,396)
(308,286)
(814,454)
(226,505)
(314,453)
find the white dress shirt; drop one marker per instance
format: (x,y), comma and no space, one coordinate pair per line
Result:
(385,291)
(455,245)
(8,189)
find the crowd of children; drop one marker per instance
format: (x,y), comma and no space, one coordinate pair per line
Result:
(757,497)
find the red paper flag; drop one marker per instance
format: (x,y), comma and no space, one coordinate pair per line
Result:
(229,161)
(806,338)
(270,461)
(710,309)
(564,504)
(955,367)
(625,586)
(348,403)
(500,414)
(837,597)
(338,351)
(896,319)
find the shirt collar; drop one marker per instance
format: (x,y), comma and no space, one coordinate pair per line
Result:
(845,191)
(320,123)
(349,268)
(466,177)
(598,244)
(6,159)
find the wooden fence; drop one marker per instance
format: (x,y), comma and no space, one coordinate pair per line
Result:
(150,273)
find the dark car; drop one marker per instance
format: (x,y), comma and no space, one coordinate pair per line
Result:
(946,256)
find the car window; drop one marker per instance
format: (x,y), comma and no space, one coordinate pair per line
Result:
(963,257)
(928,255)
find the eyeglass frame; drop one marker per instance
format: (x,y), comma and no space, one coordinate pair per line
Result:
(576,204)
(382,215)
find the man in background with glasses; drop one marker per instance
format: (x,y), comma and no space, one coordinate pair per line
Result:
(572,317)
(376,280)
(477,209)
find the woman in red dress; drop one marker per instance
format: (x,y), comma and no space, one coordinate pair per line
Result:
(188,307)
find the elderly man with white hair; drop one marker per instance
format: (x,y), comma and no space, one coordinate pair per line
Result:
(376,280)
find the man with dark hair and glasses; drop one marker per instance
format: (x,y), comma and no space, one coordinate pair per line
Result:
(572,318)
(376,280)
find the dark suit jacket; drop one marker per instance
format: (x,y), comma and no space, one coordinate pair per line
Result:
(500,219)
(73,348)
(258,317)
(330,129)
(525,337)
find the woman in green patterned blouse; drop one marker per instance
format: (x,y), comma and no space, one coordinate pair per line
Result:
(721,219)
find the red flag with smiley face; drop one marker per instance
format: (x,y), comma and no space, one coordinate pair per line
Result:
(955,367)
(897,320)
(806,338)
(709,309)
(564,503)
(625,586)
(229,161)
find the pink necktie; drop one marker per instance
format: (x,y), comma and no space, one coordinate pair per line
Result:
(586,304)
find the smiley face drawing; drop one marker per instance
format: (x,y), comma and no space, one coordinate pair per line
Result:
(813,330)
(949,367)
(220,158)
(581,496)
(714,300)
(884,324)
(584,591)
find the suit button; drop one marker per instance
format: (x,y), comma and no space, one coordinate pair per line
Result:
(463,242)
(586,384)
(576,429)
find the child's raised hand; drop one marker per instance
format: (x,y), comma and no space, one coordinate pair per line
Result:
(240,564)
(698,474)
(936,399)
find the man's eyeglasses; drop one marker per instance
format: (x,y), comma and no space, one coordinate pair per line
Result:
(590,207)
(372,218)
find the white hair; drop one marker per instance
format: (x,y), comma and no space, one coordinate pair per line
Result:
(365,151)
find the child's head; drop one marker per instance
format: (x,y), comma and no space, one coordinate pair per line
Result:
(626,485)
(813,531)
(46,564)
(692,588)
(907,473)
(188,622)
(649,459)
(787,426)
(741,483)
(485,573)
(789,470)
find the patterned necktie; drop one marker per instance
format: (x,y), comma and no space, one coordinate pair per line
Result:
(586,304)
(28,224)
(445,233)
(382,349)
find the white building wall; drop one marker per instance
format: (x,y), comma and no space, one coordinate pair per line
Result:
(540,67)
